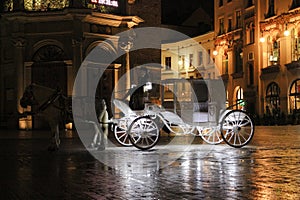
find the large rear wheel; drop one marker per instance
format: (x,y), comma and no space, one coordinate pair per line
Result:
(237,128)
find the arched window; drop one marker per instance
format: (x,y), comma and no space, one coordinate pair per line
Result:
(239,97)
(273,96)
(294,96)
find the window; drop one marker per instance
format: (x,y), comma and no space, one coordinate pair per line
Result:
(250,33)
(7,6)
(239,98)
(273,52)
(220,3)
(221,26)
(295,4)
(229,25)
(295,45)
(40,5)
(250,74)
(208,56)
(225,64)
(271,9)
(200,58)
(249,3)
(272,97)
(168,63)
(238,60)
(191,60)
(238,19)
(294,96)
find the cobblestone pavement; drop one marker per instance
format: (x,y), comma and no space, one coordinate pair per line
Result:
(267,168)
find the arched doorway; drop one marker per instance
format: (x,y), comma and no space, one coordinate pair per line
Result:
(49,70)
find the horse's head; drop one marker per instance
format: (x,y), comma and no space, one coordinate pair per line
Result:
(28,98)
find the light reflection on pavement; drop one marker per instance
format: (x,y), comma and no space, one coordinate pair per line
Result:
(267,168)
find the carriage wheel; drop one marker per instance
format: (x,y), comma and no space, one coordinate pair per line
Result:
(122,136)
(143,133)
(211,135)
(237,128)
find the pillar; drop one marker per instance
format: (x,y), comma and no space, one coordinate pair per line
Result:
(19,45)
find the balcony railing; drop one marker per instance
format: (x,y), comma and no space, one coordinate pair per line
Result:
(293,65)
(237,75)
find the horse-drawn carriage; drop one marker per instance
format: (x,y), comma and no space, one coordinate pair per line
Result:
(205,118)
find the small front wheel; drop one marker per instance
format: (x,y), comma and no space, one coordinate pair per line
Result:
(122,136)
(143,133)
(237,128)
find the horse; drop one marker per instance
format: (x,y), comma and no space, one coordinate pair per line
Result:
(52,104)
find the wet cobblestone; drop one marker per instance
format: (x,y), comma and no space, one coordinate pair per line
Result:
(268,168)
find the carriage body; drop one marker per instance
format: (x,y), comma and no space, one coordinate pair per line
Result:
(196,112)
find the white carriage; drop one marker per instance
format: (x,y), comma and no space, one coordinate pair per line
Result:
(205,119)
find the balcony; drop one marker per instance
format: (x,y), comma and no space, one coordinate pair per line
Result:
(270,69)
(225,77)
(293,65)
(237,75)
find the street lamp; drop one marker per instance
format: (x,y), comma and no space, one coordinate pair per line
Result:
(126,43)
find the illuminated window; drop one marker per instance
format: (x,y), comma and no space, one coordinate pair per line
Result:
(168,63)
(44,5)
(295,45)
(272,96)
(225,64)
(294,96)
(273,51)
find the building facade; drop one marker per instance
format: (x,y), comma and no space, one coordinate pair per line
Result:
(45,42)
(255,48)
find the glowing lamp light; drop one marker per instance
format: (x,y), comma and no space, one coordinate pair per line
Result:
(262,39)
(180,62)
(286,33)
(215,52)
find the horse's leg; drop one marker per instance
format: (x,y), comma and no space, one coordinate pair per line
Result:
(55,141)
(96,136)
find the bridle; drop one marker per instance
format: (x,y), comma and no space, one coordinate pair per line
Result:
(29,99)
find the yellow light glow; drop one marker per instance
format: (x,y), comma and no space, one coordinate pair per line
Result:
(69,126)
(262,39)
(215,52)
(286,33)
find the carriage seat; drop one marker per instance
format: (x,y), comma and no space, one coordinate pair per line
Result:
(200,112)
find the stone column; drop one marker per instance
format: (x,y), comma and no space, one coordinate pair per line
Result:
(76,60)
(19,45)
